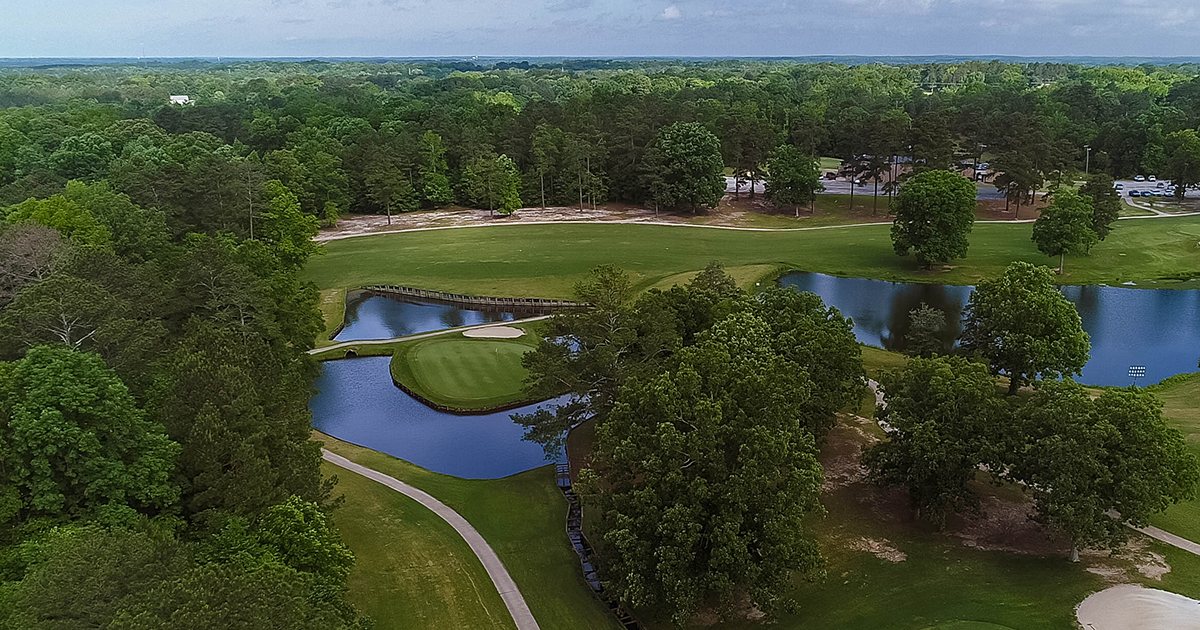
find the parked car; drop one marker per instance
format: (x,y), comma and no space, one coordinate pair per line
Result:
(1119,186)
(1151,178)
(1139,178)
(1161,185)
(1134,193)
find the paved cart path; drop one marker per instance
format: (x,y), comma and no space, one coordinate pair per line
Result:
(435,333)
(491,562)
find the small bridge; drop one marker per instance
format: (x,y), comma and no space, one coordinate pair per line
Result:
(473,300)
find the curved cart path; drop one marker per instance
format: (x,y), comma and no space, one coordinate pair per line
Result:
(491,562)
(327,237)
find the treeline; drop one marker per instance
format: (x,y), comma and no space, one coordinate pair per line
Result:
(156,469)
(708,406)
(382,138)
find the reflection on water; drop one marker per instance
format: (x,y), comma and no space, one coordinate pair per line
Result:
(370,316)
(357,402)
(1158,328)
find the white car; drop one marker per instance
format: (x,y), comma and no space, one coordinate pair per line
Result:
(1139,178)
(1151,178)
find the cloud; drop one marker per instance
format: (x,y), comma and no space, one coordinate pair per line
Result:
(568,5)
(671,13)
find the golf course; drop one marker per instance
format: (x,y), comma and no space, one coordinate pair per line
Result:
(883,569)
(546,260)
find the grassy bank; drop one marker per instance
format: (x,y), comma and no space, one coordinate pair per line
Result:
(333,312)
(546,260)
(1181,403)
(463,372)
(522,517)
(411,569)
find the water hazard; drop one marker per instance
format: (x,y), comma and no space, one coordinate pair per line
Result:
(1157,328)
(371,316)
(357,402)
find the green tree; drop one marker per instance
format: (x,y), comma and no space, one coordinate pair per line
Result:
(941,414)
(389,184)
(74,443)
(435,184)
(1183,163)
(816,337)
(1065,226)
(690,166)
(702,479)
(589,353)
(1106,202)
(493,183)
(1084,460)
(545,147)
(934,215)
(926,325)
(1023,327)
(64,215)
(286,229)
(793,179)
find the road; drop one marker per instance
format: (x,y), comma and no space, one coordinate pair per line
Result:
(842,187)
(491,562)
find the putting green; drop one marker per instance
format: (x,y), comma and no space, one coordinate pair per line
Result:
(462,372)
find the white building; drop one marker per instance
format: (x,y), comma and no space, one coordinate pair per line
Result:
(182,99)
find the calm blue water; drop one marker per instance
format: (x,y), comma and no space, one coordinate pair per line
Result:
(1157,328)
(357,402)
(381,317)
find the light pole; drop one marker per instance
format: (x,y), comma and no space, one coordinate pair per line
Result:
(1087,161)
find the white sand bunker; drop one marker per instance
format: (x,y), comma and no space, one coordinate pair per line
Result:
(494,332)
(1132,607)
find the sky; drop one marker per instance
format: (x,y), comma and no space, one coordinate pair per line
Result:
(604,28)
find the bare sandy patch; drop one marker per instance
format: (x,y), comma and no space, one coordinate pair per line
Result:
(494,332)
(881,549)
(1132,607)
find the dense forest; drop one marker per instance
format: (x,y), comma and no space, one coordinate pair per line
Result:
(155,460)
(386,137)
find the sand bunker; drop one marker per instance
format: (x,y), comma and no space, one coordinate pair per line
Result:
(494,332)
(1132,607)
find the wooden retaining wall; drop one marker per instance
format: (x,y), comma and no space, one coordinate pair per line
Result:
(472,300)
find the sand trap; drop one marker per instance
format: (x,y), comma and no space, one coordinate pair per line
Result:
(1132,607)
(494,332)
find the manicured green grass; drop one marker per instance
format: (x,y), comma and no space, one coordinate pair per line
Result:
(546,260)
(523,518)
(463,372)
(411,569)
(831,162)
(333,311)
(1181,404)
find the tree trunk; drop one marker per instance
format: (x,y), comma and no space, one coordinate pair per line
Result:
(752,179)
(875,201)
(388,207)
(1061,260)
(581,191)
(543,177)
(1074,553)
(1013,384)
(851,193)
(1017,215)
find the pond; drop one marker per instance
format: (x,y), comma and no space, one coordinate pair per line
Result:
(1157,328)
(357,402)
(372,316)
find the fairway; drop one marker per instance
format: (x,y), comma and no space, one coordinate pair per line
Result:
(1181,405)
(461,372)
(522,517)
(411,569)
(546,260)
